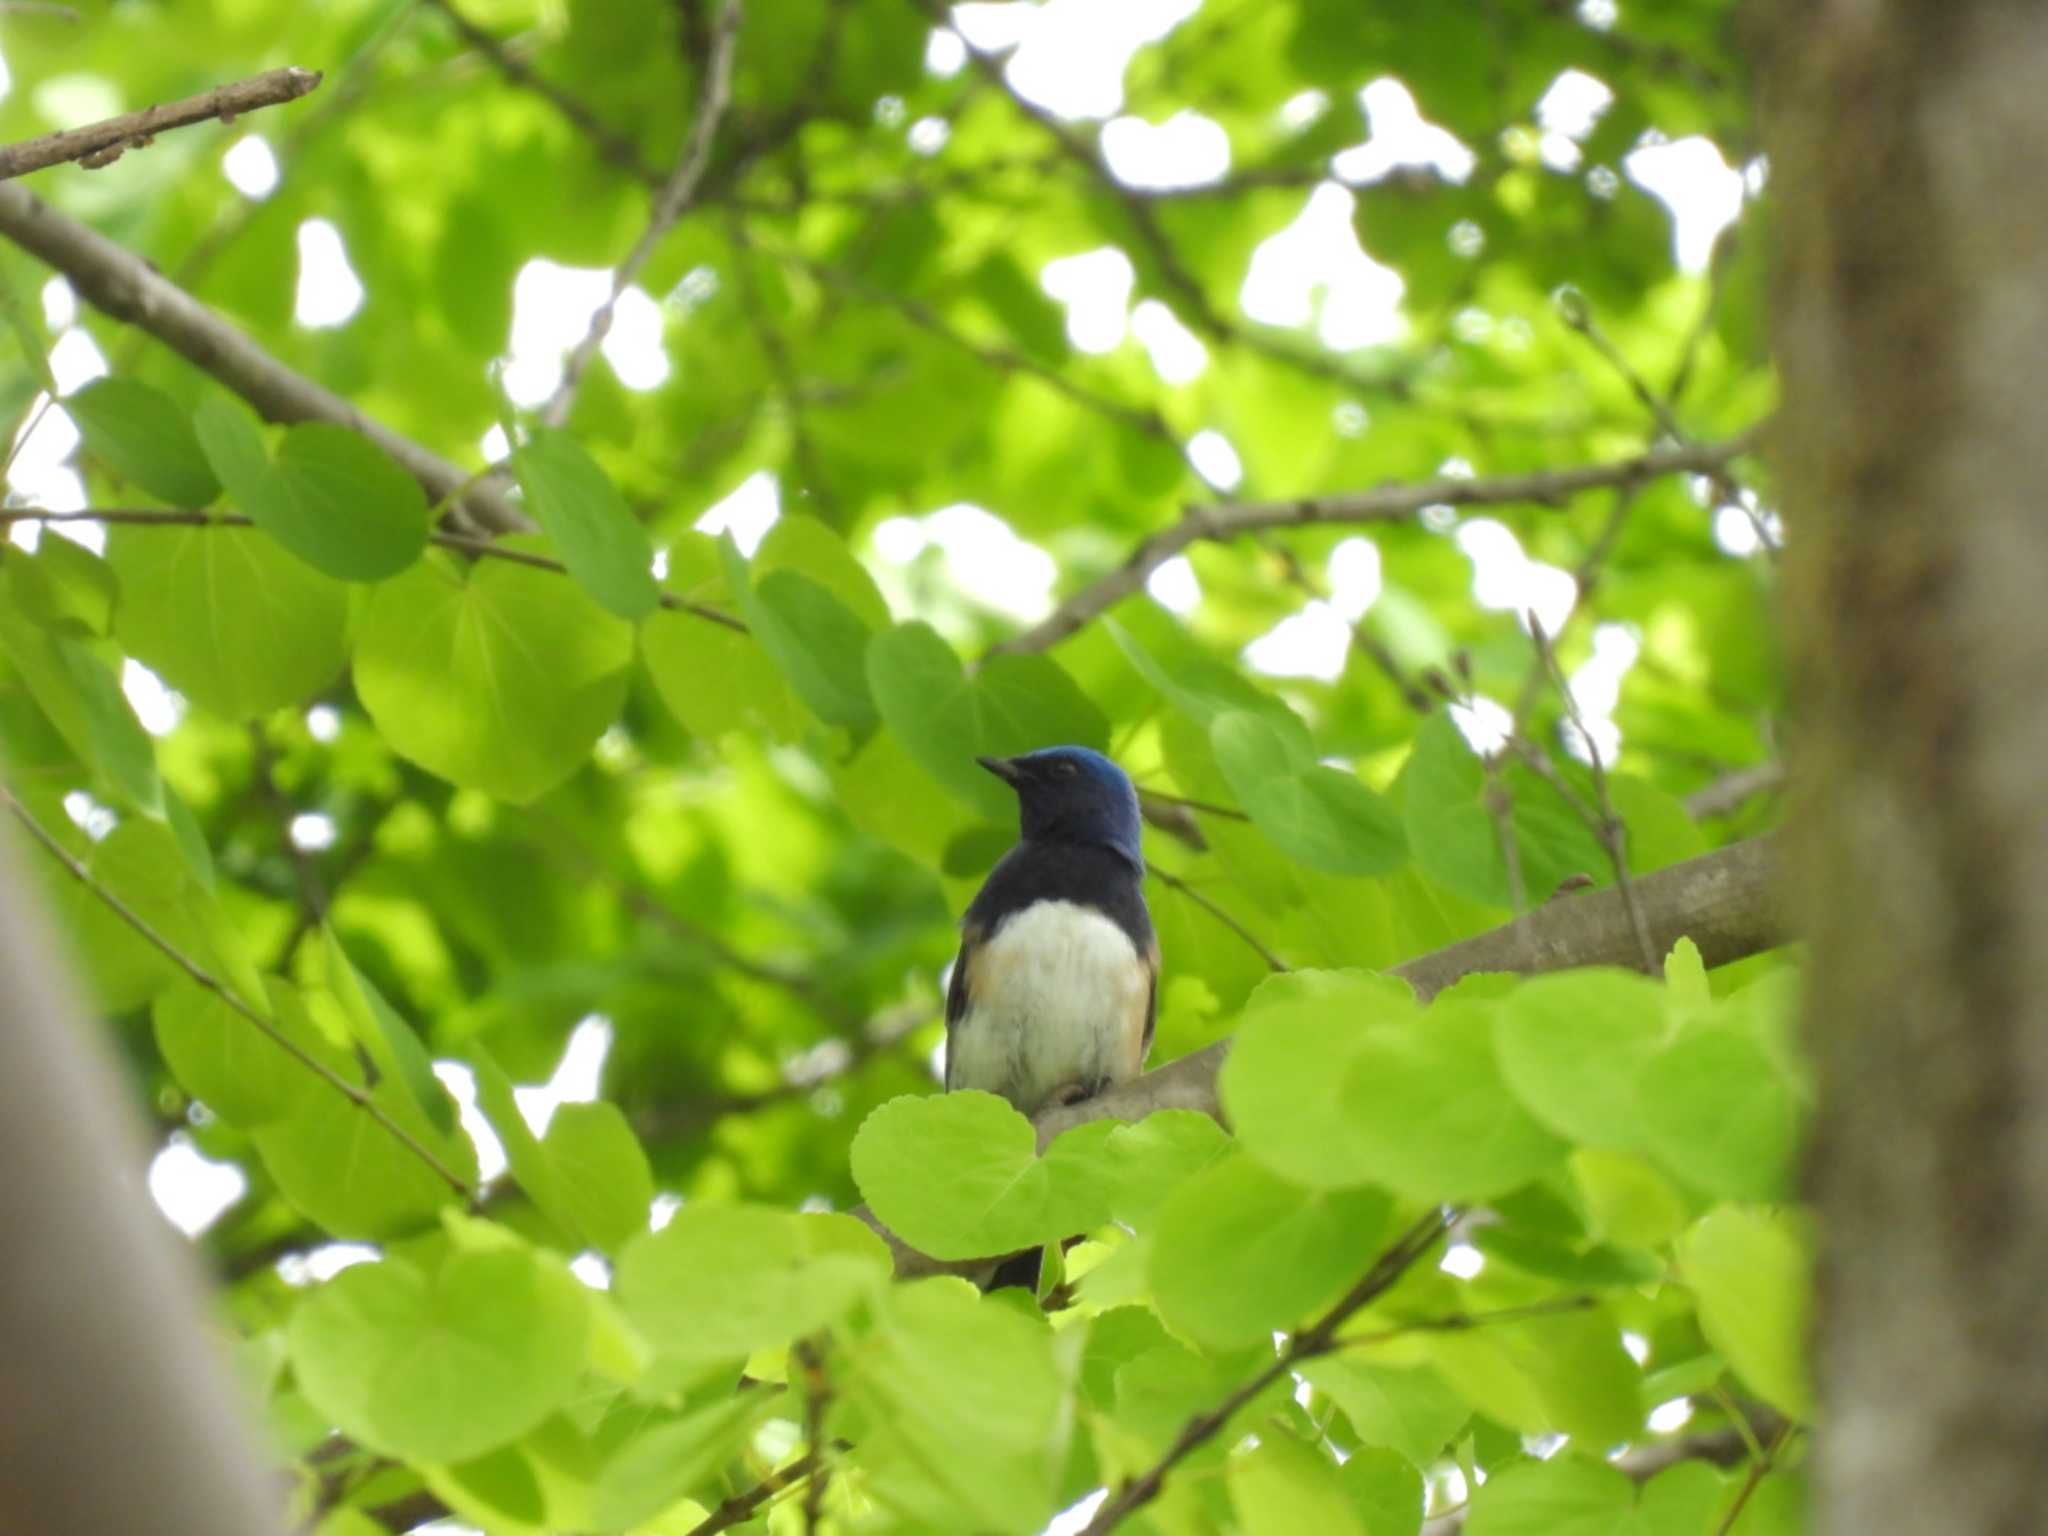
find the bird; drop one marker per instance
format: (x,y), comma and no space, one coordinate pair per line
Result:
(1055,990)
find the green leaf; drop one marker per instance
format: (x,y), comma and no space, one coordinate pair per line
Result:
(62,586)
(1314,813)
(1752,1273)
(581,510)
(1626,1200)
(1719,1114)
(227,617)
(958,1176)
(387,1038)
(349,1174)
(226,1062)
(145,437)
(1560,1497)
(1385,1490)
(721,1281)
(963,1404)
(946,719)
(500,679)
(1562,1373)
(1149,1160)
(603,1172)
(1409,1410)
(332,497)
(1432,1117)
(671,1458)
(812,636)
(1570,1045)
(447,1367)
(117,746)
(1240,1252)
(1282,1488)
(1283,1085)
(714,680)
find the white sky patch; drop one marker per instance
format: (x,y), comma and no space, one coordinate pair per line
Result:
(1637,1346)
(323,723)
(944,53)
(155,705)
(1311,643)
(60,305)
(329,291)
(6,79)
(898,540)
(192,1190)
(324,1262)
(1669,1418)
(250,167)
(928,135)
(551,309)
(1484,723)
(1505,579)
(1354,573)
(1095,287)
(663,1210)
(1596,690)
(76,360)
(1299,110)
(576,1075)
(589,1267)
(1071,54)
(1187,150)
(1462,1260)
(747,514)
(1074,1519)
(991,563)
(494,445)
(1400,136)
(1215,460)
(460,1081)
(1315,269)
(311,832)
(1566,113)
(88,815)
(1174,586)
(1704,194)
(1177,353)
(1736,531)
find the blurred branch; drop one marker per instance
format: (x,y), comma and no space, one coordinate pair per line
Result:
(612,146)
(776,352)
(1222,521)
(209,982)
(482,549)
(128,288)
(670,204)
(1730,793)
(103,143)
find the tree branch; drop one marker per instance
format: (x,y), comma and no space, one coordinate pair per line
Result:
(1219,522)
(123,285)
(99,144)
(673,201)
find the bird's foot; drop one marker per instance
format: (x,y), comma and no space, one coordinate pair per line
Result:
(1073,1091)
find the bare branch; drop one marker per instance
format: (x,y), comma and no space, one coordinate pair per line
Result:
(670,204)
(99,144)
(128,288)
(211,983)
(1219,522)
(1729,794)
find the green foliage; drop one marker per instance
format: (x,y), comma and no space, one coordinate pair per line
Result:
(431,812)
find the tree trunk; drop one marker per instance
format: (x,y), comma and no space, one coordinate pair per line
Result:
(1910,161)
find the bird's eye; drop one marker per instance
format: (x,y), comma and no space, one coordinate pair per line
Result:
(1067,770)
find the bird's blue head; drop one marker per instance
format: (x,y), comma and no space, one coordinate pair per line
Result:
(1072,795)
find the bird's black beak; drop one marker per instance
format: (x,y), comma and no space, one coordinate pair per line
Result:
(1004,768)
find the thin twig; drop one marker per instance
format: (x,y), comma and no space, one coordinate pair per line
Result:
(810,1359)
(1608,827)
(103,143)
(1206,807)
(670,204)
(1759,1469)
(1174,882)
(483,549)
(740,1508)
(1318,1339)
(1464,1322)
(341,1085)
(776,352)
(1221,522)
(1731,792)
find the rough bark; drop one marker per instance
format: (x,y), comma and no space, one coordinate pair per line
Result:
(1910,161)
(116,1412)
